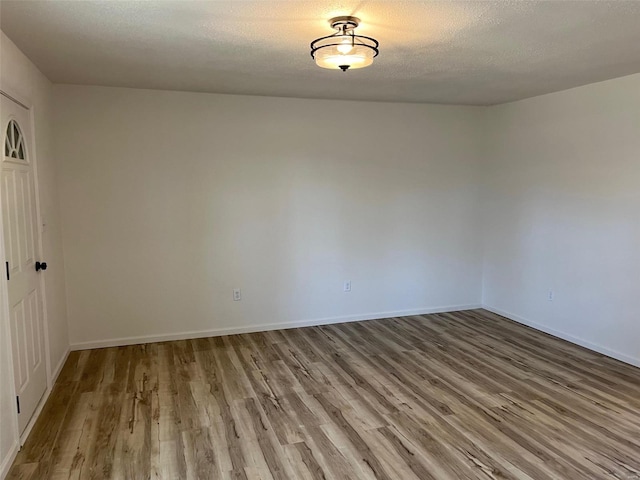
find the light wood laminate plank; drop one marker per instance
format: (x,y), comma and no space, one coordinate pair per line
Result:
(463,395)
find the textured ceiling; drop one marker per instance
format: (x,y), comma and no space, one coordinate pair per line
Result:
(461,52)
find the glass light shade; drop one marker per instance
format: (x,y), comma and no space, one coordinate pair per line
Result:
(331,57)
(344,49)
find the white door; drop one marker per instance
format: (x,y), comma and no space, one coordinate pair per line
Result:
(21,241)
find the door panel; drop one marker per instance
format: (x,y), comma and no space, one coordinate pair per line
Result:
(25,317)
(20,229)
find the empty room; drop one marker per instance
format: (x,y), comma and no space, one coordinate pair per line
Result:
(302,240)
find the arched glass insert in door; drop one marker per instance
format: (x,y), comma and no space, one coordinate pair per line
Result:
(14,141)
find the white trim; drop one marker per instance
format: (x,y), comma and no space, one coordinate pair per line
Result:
(117,342)
(58,369)
(43,288)
(565,336)
(31,154)
(15,97)
(15,448)
(43,400)
(8,344)
(7,462)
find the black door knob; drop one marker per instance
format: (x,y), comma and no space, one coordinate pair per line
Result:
(41,266)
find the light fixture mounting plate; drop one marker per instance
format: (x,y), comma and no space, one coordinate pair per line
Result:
(344,23)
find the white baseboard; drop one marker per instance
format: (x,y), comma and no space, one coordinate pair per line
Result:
(565,336)
(43,400)
(8,460)
(117,342)
(58,369)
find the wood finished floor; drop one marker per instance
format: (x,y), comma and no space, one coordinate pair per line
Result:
(446,396)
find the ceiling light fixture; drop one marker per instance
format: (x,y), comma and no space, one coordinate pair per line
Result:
(344,49)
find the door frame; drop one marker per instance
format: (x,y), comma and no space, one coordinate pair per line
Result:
(24,102)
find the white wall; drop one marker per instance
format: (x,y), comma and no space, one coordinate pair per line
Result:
(562,213)
(170,200)
(19,76)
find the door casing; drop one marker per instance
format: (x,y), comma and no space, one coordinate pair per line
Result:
(4,312)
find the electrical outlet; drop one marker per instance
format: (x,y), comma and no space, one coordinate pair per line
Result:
(550,296)
(237,295)
(347,286)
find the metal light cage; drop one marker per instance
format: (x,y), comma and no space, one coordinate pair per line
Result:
(330,51)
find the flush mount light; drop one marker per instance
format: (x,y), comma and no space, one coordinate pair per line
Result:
(344,49)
